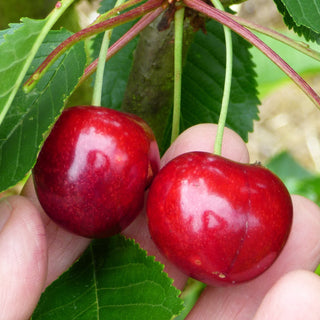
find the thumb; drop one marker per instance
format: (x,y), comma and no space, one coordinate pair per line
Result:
(23,258)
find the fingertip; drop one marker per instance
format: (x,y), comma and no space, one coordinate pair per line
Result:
(24,256)
(201,137)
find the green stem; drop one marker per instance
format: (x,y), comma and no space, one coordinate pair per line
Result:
(52,18)
(97,90)
(227,84)
(178,44)
(190,295)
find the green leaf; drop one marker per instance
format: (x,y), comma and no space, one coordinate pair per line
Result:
(11,30)
(297,179)
(302,16)
(114,279)
(203,82)
(286,167)
(23,129)
(15,49)
(118,68)
(310,188)
(304,13)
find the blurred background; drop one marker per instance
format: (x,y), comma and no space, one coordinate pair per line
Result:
(288,120)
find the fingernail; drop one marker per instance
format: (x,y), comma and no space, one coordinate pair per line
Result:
(5,212)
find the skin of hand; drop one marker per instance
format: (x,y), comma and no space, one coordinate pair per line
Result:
(36,251)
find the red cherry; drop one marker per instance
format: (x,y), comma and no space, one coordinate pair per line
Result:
(93,169)
(219,221)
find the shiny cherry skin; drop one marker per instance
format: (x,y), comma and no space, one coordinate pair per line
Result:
(93,169)
(219,221)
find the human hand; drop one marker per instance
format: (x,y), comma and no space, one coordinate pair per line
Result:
(34,251)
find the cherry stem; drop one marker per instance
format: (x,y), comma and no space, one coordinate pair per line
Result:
(190,295)
(227,84)
(120,43)
(298,45)
(97,89)
(223,18)
(178,44)
(87,32)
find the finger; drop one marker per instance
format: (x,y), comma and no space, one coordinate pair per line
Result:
(202,138)
(302,251)
(294,296)
(63,247)
(23,257)
(197,138)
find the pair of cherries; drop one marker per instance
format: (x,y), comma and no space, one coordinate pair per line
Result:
(219,221)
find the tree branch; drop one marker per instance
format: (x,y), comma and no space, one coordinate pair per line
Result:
(149,92)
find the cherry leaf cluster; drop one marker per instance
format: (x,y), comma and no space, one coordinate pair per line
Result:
(95,286)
